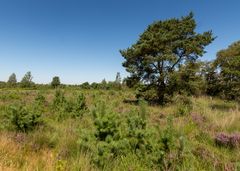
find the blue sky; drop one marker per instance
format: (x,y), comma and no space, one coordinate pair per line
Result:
(80,40)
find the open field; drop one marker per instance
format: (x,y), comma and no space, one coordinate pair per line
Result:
(171,137)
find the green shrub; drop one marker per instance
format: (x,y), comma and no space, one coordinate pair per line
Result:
(23,119)
(115,137)
(59,100)
(40,99)
(75,107)
(136,132)
(168,150)
(106,123)
(183,105)
(80,107)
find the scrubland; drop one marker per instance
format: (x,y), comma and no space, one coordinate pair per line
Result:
(77,129)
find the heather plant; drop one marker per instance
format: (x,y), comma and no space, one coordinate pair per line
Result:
(228,140)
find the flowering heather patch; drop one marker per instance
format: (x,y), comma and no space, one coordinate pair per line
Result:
(232,140)
(198,119)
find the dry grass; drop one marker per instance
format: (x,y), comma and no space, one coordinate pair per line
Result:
(14,156)
(219,116)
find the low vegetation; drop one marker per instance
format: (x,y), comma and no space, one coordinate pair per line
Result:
(77,129)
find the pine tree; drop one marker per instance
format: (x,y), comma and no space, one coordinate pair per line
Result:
(12,81)
(161,49)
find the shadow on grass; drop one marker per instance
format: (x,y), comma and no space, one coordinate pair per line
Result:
(223,106)
(136,102)
(130,101)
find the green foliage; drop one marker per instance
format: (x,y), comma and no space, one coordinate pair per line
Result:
(188,79)
(106,123)
(114,137)
(55,82)
(168,151)
(61,165)
(69,108)
(27,80)
(23,119)
(137,134)
(40,99)
(228,62)
(59,99)
(12,81)
(212,79)
(78,107)
(3,84)
(106,140)
(146,92)
(161,49)
(184,105)
(85,85)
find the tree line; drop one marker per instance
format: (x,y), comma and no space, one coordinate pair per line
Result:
(27,82)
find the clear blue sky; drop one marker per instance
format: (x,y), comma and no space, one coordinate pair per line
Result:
(80,40)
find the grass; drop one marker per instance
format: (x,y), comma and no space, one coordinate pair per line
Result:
(55,145)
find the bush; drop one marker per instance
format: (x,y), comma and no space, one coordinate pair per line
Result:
(23,119)
(59,100)
(114,136)
(80,106)
(103,140)
(168,151)
(184,105)
(69,108)
(106,123)
(137,132)
(40,99)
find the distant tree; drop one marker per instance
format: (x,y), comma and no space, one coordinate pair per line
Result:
(85,85)
(118,79)
(94,85)
(2,84)
(228,66)
(161,49)
(103,84)
(27,80)
(55,82)
(12,81)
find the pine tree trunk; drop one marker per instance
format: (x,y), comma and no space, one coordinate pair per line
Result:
(161,93)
